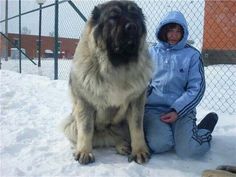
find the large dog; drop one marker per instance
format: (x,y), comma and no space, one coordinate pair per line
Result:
(110,72)
(221,171)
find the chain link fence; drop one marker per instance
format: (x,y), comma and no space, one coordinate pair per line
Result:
(212,29)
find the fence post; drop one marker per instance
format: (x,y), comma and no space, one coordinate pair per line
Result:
(39,47)
(6,32)
(77,10)
(19,35)
(56,42)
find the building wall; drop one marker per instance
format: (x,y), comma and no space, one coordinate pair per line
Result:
(2,47)
(220,25)
(219,39)
(29,43)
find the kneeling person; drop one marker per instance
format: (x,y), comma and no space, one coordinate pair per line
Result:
(176,89)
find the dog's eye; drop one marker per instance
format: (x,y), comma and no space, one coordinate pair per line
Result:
(114,15)
(115,12)
(133,9)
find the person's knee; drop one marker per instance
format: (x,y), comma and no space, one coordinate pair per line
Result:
(157,145)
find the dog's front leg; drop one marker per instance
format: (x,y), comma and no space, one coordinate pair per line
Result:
(140,152)
(84,116)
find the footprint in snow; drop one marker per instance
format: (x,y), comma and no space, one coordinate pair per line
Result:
(27,135)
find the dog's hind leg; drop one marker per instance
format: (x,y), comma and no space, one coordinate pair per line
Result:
(68,127)
(123,148)
(122,138)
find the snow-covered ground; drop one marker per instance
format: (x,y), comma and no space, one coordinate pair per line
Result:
(31,144)
(46,69)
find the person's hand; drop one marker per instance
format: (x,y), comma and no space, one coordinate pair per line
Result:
(169,117)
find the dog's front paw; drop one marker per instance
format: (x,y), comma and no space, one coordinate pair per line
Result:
(84,157)
(140,157)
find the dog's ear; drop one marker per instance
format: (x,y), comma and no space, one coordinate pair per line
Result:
(96,13)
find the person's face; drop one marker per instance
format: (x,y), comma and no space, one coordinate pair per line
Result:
(174,35)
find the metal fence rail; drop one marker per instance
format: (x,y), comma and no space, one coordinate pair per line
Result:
(211,30)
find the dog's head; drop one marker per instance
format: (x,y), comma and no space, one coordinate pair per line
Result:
(119,28)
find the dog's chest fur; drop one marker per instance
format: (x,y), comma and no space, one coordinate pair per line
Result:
(109,91)
(117,96)
(110,88)
(109,116)
(115,102)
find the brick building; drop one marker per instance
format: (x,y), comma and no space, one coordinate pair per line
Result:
(30,44)
(219,39)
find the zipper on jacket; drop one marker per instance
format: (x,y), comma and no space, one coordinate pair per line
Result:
(167,64)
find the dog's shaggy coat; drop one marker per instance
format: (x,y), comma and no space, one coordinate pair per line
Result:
(110,72)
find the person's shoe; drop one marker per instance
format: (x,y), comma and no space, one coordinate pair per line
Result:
(209,122)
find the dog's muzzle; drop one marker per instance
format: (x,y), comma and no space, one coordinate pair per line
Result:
(131,28)
(128,41)
(131,31)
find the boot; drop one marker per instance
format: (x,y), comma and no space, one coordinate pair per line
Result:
(209,122)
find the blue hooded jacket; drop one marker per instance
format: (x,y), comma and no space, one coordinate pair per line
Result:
(178,82)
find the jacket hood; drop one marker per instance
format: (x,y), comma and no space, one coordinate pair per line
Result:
(174,17)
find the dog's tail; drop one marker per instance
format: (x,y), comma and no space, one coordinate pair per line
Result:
(68,127)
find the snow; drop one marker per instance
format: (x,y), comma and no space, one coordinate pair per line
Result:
(31,144)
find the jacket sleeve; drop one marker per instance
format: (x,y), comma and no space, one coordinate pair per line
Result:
(195,88)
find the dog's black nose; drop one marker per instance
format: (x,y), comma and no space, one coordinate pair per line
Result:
(131,28)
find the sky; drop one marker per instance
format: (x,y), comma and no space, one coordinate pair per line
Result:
(32,144)
(71,25)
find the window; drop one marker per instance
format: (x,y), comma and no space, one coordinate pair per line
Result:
(37,45)
(16,42)
(59,46)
